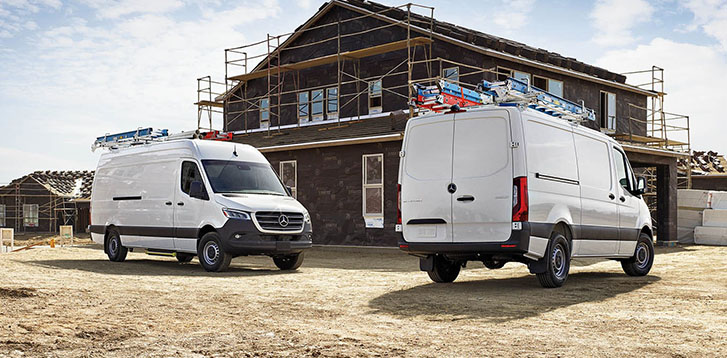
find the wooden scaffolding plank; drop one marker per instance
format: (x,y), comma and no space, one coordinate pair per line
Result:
(210,103)
(355,54)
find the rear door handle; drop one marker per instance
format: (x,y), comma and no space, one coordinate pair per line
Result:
(180,203)
(168,203)
(466,198)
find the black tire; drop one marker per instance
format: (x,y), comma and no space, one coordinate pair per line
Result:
(444,270)
(557,262)
(115,251)
(494,264)
(184,257)
(289,262)
(211,255)
(640,264)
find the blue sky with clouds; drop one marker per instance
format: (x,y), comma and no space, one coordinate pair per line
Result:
(73,70)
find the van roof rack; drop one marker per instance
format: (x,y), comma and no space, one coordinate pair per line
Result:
(445,95)
(150,135)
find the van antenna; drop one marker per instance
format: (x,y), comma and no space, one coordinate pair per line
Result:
(234,150)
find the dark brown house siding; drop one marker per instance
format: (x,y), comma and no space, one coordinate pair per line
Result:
(330,187)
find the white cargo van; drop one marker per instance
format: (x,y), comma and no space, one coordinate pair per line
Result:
(509,183)
(187,197)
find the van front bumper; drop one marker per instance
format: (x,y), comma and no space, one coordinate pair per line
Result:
(241,237)
(517,244)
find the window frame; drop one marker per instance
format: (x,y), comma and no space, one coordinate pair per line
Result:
(365,185)
(380,95)
(306,117)
(293,189)
(547,84)
(313,116)
(603,110)
(500,72)
(26,219)
(264,109)
(444,73)
(331,114)
(181,176)
(2,215)
(630,177)
(530,76)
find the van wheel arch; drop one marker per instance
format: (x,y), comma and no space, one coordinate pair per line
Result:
(563,228)
(204,230)
(646,230)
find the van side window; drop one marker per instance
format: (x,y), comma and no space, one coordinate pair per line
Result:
(621,169)
(190,173)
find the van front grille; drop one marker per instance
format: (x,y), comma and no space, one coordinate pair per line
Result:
(279,221)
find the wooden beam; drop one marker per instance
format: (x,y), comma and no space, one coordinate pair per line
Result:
(319,61)
(210,103)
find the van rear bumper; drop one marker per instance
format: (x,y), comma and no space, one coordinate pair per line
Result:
(517,244)
(241,237)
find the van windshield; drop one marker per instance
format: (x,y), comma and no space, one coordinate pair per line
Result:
(229,176)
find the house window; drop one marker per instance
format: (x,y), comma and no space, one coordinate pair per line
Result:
(332,102)
(303,107)
(316,105)
(265,113)
(289,176)
(503,73)
(451,73)
(546,84)
(373,185)
(375,97)
(522,76)
(607,110)
(2,215)
(30,215)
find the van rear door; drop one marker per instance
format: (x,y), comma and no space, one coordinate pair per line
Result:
(426,173)
(483,175)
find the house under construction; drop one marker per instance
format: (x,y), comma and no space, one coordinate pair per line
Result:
(328,102)
(44,200)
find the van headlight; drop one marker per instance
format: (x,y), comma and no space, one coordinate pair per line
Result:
(235,214)
(306,217)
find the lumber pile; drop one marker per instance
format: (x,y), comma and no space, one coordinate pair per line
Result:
(702,217)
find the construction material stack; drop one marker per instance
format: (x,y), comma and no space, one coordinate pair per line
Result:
(702,217)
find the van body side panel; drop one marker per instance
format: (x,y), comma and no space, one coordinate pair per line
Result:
(426,172)
(553,185)
(482,172)
(598,234)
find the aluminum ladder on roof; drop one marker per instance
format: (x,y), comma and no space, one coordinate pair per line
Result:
(511,92)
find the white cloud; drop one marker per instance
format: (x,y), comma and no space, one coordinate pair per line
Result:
(512,14)
(689,83)
(14,14)
(111,9)
(711,17)
(614,19)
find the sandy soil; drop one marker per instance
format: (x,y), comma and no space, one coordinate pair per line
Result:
(73,302)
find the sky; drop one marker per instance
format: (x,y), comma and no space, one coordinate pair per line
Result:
(71,71)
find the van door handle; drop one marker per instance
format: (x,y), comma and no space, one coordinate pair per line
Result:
(168,203)
(622,199)
(180,203)
(611,196)
(466,198)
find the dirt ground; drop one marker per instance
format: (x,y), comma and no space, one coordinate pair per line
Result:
(72,301)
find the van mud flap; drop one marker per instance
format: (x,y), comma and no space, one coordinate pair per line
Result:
(426,263)
(540,266)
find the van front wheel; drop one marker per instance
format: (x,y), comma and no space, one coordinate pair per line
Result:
(444,270)
(288,262)
(640,263)
(114,249)
(211,255)
(557,262)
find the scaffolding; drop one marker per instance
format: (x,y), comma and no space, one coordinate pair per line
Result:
(53,209)
(215,98)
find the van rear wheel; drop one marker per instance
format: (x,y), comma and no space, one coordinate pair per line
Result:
(444,270)
(558,262)
(211,255)
(640,263)
(114,249)
(288,262)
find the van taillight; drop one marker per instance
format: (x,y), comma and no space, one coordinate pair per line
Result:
(398,203)
(520,199)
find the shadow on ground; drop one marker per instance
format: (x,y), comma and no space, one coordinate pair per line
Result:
(505,299)
(155,267)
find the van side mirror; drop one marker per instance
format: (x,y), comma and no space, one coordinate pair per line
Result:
(197,191)
(640,186)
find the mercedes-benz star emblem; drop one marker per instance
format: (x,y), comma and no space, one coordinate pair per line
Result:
(283,220)
(451,188)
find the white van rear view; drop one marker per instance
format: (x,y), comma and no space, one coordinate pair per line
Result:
(188,197)
(508,183)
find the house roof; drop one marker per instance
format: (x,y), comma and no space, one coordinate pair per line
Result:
(73,184)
